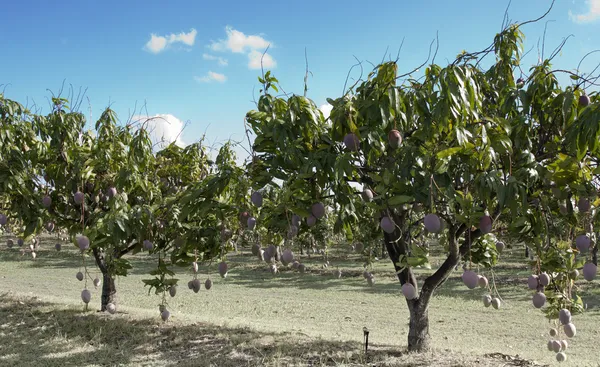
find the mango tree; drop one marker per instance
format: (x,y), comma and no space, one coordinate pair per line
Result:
(97,187)
(19,176)
(448,155)
(104,188)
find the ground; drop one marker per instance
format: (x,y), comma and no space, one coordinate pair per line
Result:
(252,318)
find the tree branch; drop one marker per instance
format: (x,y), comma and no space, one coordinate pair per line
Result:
(442,273)
(572,73)
(127,250)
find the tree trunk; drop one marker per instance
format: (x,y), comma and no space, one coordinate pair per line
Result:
(109,290)
(418,330)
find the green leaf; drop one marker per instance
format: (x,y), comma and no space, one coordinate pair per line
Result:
(448,152)
(399,200)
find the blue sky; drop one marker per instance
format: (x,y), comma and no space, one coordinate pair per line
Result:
(196,61)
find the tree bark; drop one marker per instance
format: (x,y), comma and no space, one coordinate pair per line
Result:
(418,330)
(109,290)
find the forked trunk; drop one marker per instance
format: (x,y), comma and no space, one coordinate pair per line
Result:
(397,244)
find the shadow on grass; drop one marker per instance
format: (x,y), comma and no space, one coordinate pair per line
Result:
(35,333)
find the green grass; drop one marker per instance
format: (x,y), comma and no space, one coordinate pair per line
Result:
(254,318)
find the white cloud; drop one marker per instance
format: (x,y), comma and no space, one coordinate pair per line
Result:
(239,42)
(210,76)
(185,38)
(163,128)
(254,60)
(252,45)
(592,14)
(220,60)
(326,110)
(158,44)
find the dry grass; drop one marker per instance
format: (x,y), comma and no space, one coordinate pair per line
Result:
(36,333)
(253,318)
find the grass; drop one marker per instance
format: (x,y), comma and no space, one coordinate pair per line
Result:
(254,318)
